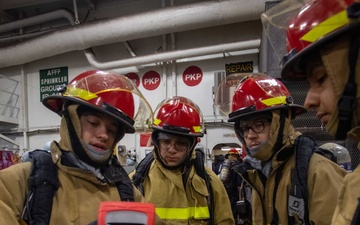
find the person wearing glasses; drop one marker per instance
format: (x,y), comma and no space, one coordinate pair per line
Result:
(290,184)
(182,189)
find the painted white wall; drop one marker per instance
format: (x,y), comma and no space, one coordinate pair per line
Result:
(40,120)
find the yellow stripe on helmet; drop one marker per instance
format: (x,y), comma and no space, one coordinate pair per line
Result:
(274,101)
(81,93)
(197,129)
(87,95)
(157,121)
(325,27)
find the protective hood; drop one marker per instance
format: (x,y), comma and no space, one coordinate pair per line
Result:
(82,151)
(335,60)
(267,149)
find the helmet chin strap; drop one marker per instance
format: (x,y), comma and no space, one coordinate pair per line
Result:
(347,101)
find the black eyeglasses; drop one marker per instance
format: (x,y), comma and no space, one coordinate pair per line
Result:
(257,127)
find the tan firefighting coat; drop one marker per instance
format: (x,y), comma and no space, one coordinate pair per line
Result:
(348,199)
(76,201)
(322,193)
(179,205)
(338,72)
(350,190)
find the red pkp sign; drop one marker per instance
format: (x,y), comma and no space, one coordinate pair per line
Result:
(192,76)
(134,77)
(151,80)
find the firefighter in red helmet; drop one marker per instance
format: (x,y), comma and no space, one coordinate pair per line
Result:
(97,108)
(234,152)
(183,190)
(323,41)
(278,157)
(232,180)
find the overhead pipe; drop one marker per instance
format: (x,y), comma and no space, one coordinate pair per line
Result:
(23,36)
(25,113)
(35,20)
(173,64)
(172,55)
(143,25)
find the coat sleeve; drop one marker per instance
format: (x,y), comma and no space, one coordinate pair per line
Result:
(223,213)
(13,190)
(324,183)
(348,199)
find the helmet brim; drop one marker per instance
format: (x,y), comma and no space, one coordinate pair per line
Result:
(296,109)
(294,69)
(55,104)
(160,129)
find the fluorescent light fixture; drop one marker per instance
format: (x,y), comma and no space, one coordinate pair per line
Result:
(227,148)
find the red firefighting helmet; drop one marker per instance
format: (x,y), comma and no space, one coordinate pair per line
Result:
(258,93)
(106,92)
(179,115)
(233,151)
(308,26)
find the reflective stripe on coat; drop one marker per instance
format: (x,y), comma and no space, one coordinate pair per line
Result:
(165,189)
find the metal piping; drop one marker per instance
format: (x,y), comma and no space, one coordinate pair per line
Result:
(42,18)
(154,23)
(25,113)
(22,36)
(172,55)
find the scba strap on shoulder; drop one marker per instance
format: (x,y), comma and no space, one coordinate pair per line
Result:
(141,172)
(298,211)
(43,183)
(200,169)
(116,174)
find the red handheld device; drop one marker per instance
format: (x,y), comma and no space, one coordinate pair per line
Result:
(126,213)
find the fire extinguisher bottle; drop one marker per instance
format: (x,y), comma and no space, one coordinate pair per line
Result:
(225,170)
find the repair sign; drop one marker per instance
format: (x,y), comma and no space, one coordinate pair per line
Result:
(240,67)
